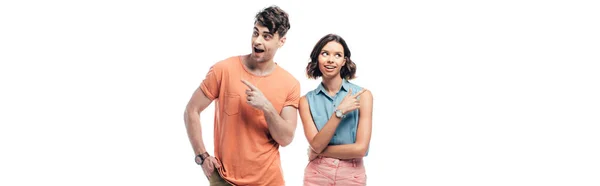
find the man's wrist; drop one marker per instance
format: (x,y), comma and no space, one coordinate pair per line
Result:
(201,157)
(204,155)
(267,107)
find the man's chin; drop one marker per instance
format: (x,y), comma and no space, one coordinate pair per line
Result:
(257,59)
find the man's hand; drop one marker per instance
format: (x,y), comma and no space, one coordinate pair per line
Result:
(255,97)
(209,165)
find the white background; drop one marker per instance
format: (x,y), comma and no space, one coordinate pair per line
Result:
(465,92)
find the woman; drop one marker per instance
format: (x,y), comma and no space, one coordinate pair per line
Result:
(336,117)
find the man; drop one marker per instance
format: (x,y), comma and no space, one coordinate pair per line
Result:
(255,110)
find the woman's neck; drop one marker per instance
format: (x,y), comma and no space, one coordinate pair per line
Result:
(332,85)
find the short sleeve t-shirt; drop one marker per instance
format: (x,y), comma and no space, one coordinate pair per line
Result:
(243,145)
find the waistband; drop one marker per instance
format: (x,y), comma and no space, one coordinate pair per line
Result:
(339,162)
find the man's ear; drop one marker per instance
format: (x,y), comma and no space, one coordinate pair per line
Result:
(282,41)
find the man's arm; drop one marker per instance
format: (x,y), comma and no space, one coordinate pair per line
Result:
(208,90)
(282,126)
(195,106)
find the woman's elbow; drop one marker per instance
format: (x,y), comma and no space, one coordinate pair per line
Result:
(318,149)
(361,150)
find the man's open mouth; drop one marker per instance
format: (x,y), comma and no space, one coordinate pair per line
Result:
(258,50)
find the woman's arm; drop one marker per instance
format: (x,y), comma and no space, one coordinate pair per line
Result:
(363,135)
(318,140)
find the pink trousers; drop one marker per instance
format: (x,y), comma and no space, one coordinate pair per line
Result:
(330,171)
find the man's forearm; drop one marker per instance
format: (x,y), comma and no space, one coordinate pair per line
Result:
(194,131)
(346,151)
(281,130)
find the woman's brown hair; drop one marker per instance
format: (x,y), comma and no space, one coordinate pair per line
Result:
(347,72)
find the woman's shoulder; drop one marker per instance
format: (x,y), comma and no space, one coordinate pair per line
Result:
(356,88)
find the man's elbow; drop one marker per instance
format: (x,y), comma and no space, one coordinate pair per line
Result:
(189,112)
(284,144)
(286,140)
(185,115)
(186,111)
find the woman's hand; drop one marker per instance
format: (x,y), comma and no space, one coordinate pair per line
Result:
(350,102)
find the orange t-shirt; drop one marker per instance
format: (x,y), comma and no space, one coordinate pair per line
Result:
(243,145)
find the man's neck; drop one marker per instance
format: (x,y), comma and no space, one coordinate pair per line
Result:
(258,68)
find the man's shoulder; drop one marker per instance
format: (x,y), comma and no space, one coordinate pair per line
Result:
(287,76)
(226,63)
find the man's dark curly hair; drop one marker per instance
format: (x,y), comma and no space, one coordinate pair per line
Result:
(275,19)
